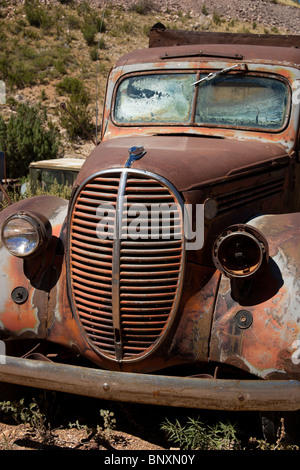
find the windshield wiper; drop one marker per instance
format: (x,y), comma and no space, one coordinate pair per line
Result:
(212,75)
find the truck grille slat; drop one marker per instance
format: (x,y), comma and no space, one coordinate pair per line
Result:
(125,289)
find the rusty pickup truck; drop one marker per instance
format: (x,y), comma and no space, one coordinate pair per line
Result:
(171,276)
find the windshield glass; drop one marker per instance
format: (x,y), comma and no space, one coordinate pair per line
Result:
(239,100)
(242,101)
(159,98)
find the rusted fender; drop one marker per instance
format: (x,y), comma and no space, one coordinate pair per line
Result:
(29,317)
(256,325)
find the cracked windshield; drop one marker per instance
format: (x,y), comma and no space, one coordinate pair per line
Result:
(230,101)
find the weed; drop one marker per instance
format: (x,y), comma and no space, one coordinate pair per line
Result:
(100,434)
(280,443)
(196,435)
(204,10)
(43,95)
(216,18)
(5,445)
(20,412)
(32,189)
(109,422)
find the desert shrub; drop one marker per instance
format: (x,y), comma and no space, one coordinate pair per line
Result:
(78,120)
(27,137)
(204,10)
(89,31)
(74,87)
(73,22)
(216,18)
(92,25)
(36,15)
(94,50)
(25,65)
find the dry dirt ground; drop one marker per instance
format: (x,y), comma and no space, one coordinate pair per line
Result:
(75,423)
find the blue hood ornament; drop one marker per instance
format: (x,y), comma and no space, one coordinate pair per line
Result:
(135,153)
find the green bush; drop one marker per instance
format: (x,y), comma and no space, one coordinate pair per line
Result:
(75,89)
(78,120)
(36,15)
(26,66)
(27,137)
(74,22)
(89,31)
(92,25)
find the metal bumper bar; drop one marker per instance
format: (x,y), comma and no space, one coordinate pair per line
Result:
(214,394)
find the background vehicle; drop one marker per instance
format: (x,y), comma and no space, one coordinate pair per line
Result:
(63,170)
(203,121)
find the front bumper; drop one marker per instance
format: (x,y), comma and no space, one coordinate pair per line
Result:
(213,394)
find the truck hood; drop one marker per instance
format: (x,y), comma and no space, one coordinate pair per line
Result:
(187,162)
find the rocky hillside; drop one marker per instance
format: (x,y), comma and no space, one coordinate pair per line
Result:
(285,15)
(39,51)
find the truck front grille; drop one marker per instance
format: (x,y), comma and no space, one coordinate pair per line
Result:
(126,280)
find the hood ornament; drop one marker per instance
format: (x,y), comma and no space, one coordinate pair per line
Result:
(135,153)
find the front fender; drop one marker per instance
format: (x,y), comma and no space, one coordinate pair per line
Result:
(256,325)
(27,317)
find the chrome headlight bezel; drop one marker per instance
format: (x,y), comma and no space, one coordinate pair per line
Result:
(41,230)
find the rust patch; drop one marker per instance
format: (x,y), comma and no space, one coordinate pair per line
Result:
(265,348)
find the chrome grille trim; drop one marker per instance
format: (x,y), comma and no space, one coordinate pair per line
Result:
(124,292)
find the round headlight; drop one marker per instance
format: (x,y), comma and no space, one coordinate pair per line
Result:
(239,251)
(25,234)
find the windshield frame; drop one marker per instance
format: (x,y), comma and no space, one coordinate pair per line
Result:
(195,90)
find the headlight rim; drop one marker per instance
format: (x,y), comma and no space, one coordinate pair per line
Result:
(254,234)
(41,225)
